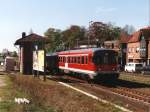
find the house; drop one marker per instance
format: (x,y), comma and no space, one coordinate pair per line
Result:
(124,38)
(112,44)
(138,48)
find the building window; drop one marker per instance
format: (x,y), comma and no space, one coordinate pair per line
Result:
(133,49)
(137,49)
(129,50)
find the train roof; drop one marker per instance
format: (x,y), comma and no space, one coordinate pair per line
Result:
(85,50)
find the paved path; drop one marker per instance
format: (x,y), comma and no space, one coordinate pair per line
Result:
(2,81)
(2,68)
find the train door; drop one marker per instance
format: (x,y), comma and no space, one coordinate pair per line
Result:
(66,62)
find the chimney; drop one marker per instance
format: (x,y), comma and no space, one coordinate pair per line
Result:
(23,34)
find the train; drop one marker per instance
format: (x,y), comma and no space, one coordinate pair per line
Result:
(91,63)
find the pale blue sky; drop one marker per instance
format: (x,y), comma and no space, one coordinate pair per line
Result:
(17,16)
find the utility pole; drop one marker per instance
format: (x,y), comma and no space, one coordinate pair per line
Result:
(89,33)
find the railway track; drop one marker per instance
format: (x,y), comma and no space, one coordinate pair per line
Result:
(121,91)
(132,94)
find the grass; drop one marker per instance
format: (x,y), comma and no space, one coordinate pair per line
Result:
(134,78)
(8,94)
(138,79)
(50,96)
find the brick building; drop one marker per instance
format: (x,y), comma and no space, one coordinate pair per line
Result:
(138,48)
(124,38)
(120,46)
(113,44)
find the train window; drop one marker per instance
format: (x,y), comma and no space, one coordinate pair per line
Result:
(99,59)
(82,60)
(114,59)
(60,59)
(75,60)
(68,59)
(86,59)
(64,59)
(72,59)
(105,58)
(79,60)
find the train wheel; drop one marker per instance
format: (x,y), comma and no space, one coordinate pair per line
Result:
(90,79)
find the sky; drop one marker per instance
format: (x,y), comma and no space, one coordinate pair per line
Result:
(17,16)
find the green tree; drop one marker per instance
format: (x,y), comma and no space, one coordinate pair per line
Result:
(55,39)
(103,32)
(114,33)
(72,35)
(14,54)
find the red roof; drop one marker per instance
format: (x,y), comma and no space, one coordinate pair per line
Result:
(124,38)
(146,28)
(135,37)
(31,38)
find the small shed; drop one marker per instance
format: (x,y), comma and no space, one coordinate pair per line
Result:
(27,46)
(9,64)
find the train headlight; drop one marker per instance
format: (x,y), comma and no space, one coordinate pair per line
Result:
(114,69)
(99,69)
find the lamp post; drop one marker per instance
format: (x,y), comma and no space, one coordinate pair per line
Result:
(89,33)
(97,43)
(77,43)
(149,11)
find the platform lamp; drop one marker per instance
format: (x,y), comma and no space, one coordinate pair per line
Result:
(97,42)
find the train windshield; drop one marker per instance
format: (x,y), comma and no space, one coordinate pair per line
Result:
(105,57)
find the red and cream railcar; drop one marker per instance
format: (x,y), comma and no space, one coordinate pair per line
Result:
(93,62)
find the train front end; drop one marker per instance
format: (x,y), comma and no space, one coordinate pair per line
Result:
(106,64)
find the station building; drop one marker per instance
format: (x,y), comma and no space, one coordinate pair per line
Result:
(26,47)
